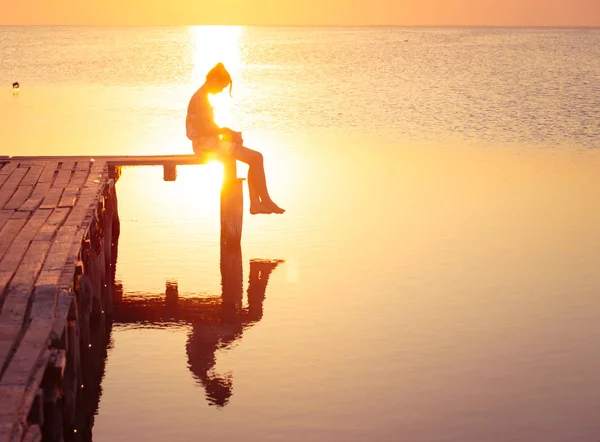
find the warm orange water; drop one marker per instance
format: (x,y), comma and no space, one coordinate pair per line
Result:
(434,289)
(452,297)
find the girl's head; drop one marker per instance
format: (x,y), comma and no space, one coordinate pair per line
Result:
(218,79)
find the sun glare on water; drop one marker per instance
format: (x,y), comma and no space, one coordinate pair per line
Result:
(214,44)
(197,186)
(195,193)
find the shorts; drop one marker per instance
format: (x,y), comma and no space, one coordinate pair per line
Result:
(203,146)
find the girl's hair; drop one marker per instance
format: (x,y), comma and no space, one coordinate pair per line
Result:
(220,73)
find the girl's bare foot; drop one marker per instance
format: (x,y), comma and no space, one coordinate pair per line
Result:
(260,269)
(274,208)
(259,208)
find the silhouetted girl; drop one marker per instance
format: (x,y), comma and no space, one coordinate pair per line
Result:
(207,136)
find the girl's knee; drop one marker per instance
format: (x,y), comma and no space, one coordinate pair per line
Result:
(257,157)
(249,156)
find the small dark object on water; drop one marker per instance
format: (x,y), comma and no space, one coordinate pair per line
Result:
(16,87)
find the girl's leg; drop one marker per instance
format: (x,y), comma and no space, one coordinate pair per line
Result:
(260,200)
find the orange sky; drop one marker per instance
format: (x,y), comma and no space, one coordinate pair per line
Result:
(304,12)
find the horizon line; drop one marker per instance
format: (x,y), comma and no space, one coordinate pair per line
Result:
(304,26)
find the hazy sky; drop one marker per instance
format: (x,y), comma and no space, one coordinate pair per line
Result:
(300,12)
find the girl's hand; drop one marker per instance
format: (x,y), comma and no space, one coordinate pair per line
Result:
(237,138)
(231,135)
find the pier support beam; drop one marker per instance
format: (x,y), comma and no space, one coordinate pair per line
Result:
(232,204)
(169,172)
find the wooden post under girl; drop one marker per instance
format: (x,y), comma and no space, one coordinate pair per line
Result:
(232,204)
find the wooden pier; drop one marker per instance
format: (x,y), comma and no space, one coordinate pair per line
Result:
(59,229)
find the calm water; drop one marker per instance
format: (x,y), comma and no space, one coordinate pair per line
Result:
(441,243)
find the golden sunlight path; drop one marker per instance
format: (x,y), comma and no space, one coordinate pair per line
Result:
(59,227)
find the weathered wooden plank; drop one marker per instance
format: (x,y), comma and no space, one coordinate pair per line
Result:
(5,278)
(37,219)
(98,167)
(50,169)
(69,268)
(63,178)
(59,252)
(20,242)
(58,216)
(54,221)
(17,175)
(5,328)
(18,198)
(32,347)
(89,196)
(7,169)
(125,160)
(78,239)
(33,175)
(66,281)
(48,277)
(33,388)
(32,203)
(34,434)
(83,166)
(4,217)
(41,189)
(3,179)
(77,216)
(23,393)
(20,215)
(9,232)
(69,197)
(11,399)
(85,205)
(94,180)
(37,196)
(72,257)
(45,293)
(68,165)
(10,185)
(18,293)
(78,179)
(5,429)
(52,198)
(23,376)
(61,314)
(10,333)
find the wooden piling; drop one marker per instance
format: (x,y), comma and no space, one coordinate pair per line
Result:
(169,172)
(232,204)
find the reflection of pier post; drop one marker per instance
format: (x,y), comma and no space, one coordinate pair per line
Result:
(171,299)
(232,283)
(232,204)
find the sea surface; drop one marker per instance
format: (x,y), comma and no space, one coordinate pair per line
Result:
(436,275)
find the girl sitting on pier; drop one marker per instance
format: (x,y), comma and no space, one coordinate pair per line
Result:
(207,136)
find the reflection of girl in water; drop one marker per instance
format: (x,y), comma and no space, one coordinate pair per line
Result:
(217,333)
(207,136)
